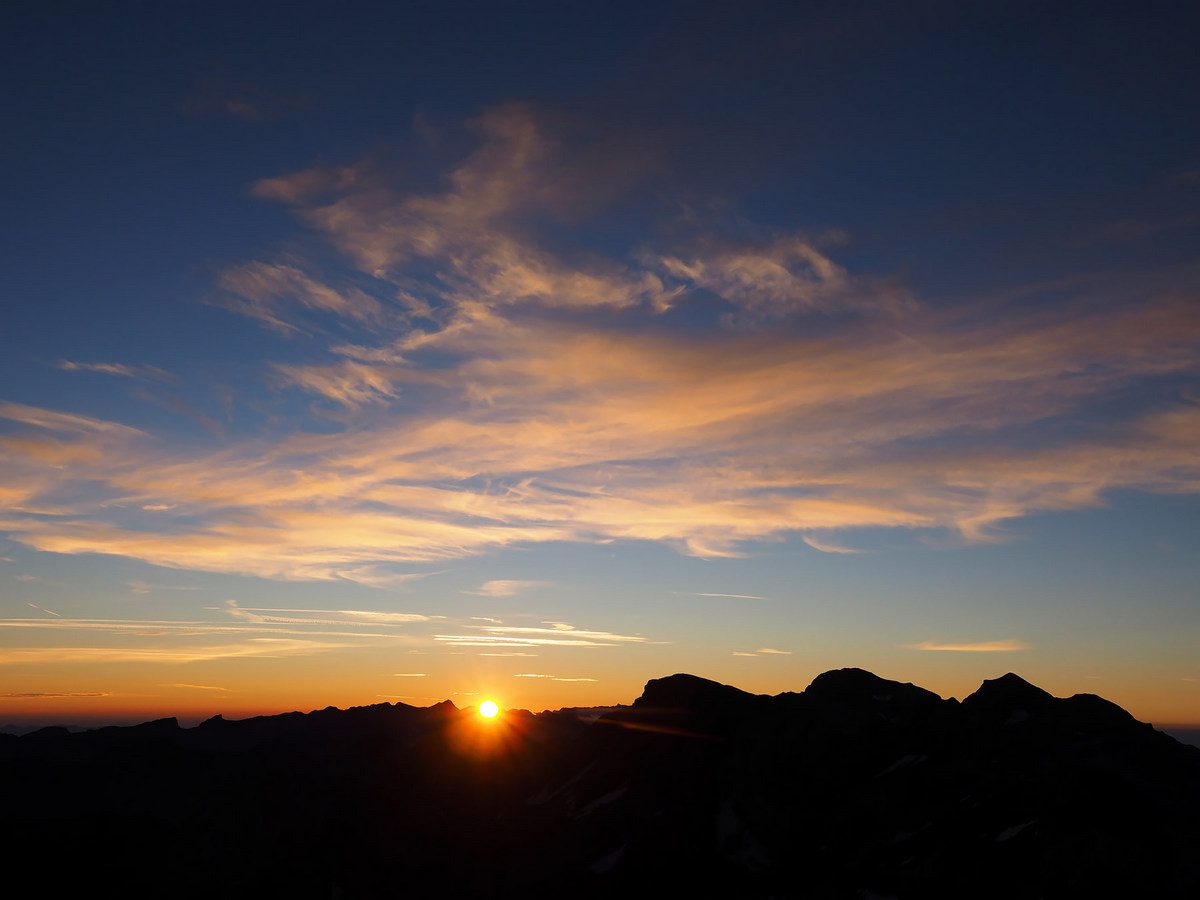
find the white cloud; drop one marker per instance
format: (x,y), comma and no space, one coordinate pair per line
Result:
(828,546)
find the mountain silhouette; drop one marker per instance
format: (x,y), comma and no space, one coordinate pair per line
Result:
(855,787)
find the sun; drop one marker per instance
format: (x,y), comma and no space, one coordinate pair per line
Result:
(489,709)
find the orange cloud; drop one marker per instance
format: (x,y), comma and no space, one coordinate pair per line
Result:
(522,396)
(701,443)
(265,291)
(260,648)
(1009,646)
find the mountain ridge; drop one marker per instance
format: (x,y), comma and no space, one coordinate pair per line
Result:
(855,785)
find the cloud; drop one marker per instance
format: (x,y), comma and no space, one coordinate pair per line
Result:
(150,373)
(550,677)
(497,387)
(558,629)
(49,612)
(51,420)
(146,587)
(592,435)
(266,291)
(198,687)
(409,675)
(475,640)
(261,648)
(378,577)
(559,634)
(251,624)
(828,546)
(743,653)
(732,596)
(349,384)
(386,618)
(52,695)
(292,616)
(788,276)
(505,588)
(772,652)
(468,230)
(1008,646)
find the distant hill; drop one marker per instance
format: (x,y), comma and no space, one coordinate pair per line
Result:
(854,787)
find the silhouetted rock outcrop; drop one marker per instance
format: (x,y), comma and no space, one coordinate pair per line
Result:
(856,786)
(689,692)
(1005,695)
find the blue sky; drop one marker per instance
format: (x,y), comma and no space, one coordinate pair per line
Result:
(538,350)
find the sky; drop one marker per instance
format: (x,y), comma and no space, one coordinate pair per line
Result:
(403,352)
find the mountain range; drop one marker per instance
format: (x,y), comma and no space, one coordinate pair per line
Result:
(855,787)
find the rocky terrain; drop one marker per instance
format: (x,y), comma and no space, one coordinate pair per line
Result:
(854,787)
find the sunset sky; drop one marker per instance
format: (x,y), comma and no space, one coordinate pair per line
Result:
(531,350)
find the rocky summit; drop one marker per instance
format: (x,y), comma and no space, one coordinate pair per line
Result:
(855,787)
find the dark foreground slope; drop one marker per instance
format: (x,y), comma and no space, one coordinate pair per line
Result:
(856,787)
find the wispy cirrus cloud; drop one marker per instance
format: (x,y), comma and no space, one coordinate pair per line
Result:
(350,384)
(497,390)
(558,634)
(198,687)
(829,546)
(789,275)
(55,421)
(1005,646)
(506,588)
(293,616)
(260,648)
(143,372)
(138,586)
(156,628)
(48,612)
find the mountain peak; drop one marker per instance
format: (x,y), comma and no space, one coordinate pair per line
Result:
(1009,691)
(856,686)
(682,691)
